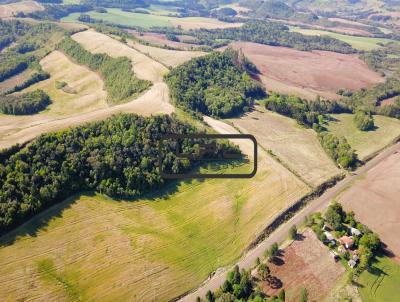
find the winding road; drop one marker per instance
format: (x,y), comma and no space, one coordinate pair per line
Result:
(318,204)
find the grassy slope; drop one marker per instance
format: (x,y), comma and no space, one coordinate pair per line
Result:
(298,147)
(366,142)
(381,283)
(155,248)
(88,85)
(361,43)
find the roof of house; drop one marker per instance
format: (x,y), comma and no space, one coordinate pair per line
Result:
(351,263)
(355,231)
(328,235)
(346,240)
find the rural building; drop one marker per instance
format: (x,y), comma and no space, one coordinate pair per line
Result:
(355,232)
(352,263)
(346,241)
(356,258)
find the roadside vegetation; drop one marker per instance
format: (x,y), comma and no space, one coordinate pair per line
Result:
(120,81)
(217,84)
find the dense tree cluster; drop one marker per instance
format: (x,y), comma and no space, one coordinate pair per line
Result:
(126,4)
(34,78)
(270,33)
(28,38)
(338,149)
(27,103)
(364,120)
(268,9)
(305,112)
(117,157)
(117,73)
(213,85)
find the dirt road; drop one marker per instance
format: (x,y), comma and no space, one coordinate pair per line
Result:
(281,233)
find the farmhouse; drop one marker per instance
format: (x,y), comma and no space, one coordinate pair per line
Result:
(346,241)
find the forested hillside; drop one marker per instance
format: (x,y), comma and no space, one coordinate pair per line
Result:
(117,157)
(215,85)
(120,81)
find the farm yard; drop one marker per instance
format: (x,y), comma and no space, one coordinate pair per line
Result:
(305,263)
(296,146)
(360,43)
(154,248)
(374,200)
(307,73)
(118,16)
(365,143)
(10,9)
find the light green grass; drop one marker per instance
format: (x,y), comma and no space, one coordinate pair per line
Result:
(118,16)
(360,43)
(366,143)
(152,249)
(115,15)
(382,282)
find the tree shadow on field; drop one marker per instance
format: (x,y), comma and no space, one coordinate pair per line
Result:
(41,221)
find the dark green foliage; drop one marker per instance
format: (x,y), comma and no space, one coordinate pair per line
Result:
(125,4)
(56,12)
(274,34)
(120,81)
(268,9)
(117,157)
(364,120)
(304,112)
(172,37)
(338,149)
(370,241)
(263,271)
(27,103)
(224,12)
(25,47)
(335,216)
(272,252)
(213,85)
(12,67)
(34,78)
(5,41)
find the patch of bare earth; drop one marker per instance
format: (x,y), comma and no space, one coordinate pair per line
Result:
(306,263)
(307,73)
(375,200)
(389,101)
(9,10)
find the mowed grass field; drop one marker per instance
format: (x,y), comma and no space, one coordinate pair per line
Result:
(361,43)
(366,143)
(118,16)
(381,282)
(296,146)
(94,248)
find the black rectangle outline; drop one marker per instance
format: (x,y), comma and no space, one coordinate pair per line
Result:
(207,175)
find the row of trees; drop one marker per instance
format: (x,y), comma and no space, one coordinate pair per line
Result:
(338,149)
(117,157)
(27,103)
(33,78)
(117,73)
(305,112)
(270,33)
(215,84)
